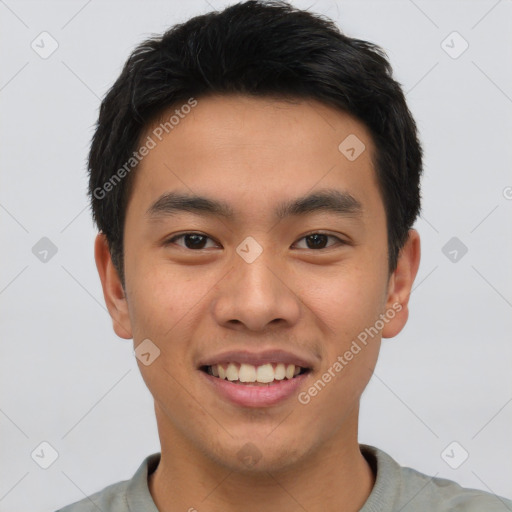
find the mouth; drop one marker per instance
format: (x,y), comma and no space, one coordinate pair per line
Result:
(250,375)
(256,379)
(259,386)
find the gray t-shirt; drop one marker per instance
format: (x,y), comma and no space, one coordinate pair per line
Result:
(396,488)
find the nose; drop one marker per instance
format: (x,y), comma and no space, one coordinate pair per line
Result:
(256,295)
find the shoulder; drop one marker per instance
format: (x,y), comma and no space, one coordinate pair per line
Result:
(125,496)
(111,499)
(441,494)
(409,490)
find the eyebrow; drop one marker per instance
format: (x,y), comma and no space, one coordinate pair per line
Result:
(325,200)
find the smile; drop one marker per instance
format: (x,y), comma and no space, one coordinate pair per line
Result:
(244,373)
(247,385)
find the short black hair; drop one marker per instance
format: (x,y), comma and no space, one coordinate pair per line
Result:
(259,49)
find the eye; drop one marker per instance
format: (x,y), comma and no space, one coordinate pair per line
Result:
(198,241)
(192,240)
(319,240)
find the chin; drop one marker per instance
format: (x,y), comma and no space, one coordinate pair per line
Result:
(252,455)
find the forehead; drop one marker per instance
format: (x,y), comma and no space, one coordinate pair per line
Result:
(252,151)
(245,120)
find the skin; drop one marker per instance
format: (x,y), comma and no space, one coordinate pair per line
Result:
(254,153)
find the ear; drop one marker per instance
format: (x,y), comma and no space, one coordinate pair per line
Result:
(113,291)
(400,285)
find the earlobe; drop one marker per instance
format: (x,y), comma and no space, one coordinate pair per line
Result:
(113,291)
(400,285)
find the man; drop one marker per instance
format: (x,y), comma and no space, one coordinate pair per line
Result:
(255,178)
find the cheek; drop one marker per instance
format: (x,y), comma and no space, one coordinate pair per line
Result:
(346,300)
(165,301)
(155,298)
(349,305)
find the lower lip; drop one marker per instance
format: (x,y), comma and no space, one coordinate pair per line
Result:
(256,396)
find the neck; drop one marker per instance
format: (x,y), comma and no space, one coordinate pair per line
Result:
(334,476)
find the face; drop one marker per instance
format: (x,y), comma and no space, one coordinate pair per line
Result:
(292,267)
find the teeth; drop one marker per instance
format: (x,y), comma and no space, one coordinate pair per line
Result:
(232,372)
(264,373)
(280,372)
(247,373)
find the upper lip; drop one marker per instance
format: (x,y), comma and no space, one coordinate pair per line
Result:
(257,358)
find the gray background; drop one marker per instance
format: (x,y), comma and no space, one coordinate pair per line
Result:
(68,380)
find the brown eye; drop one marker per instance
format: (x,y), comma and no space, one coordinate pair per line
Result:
(319,241)
(193,241)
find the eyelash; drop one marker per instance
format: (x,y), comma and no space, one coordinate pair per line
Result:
(177,237)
